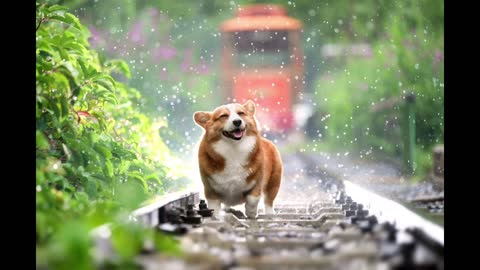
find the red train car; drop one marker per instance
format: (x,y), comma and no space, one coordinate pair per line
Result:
(262,60)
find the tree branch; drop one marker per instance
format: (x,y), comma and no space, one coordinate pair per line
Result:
(38,26)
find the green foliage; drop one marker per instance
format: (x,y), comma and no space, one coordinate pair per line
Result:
(407,58)
(183,26)
(97,155)
(424,163)
(70,244)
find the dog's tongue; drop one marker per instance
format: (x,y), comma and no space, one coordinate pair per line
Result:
(238,134)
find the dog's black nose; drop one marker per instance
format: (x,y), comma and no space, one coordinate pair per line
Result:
(237,122)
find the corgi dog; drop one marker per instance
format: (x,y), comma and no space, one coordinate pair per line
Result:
(237,165)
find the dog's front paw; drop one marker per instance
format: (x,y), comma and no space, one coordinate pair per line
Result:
(251,214)
(215,206)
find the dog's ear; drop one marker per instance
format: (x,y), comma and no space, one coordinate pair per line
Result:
(201,118)
(250,106)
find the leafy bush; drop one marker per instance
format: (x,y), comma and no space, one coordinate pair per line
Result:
(97,155)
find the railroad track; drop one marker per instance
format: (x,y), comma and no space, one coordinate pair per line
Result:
(434,204)
(342,227)
(421,196)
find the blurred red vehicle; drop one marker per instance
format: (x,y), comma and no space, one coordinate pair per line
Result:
(262,60)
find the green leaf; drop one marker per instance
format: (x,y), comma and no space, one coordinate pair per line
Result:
(119,66)
(85,70)
(91,187)
(42,142)
(109,168)
(68,19)
(71,247)
(106,84)
(166,244)
(43,45)
(130,194)
(55,106)
(65,107)
(153,177)
(60,18)
(102,77)
(81,196)
(124,165)
(92,138)
(101,92)
(138,177)
(61,81)
(111,100)
(75,46)
(104,150)
(55,8)
(127,240)
(74,20)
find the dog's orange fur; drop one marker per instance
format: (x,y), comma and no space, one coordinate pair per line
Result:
(264,163)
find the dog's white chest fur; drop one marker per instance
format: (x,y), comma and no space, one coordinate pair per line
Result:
(231,182)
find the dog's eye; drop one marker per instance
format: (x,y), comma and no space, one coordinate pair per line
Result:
(223,115)
(241,113)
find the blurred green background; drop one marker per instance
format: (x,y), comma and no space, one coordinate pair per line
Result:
(357,55)
(361,59)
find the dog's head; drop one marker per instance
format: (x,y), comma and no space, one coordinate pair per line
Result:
(230,122)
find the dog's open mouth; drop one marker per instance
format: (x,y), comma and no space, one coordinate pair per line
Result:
(235,134)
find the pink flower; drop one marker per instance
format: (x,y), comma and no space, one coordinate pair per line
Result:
(187,60)
(153,12)
(203,68)
(136,34)
(438,57)
(166,52)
